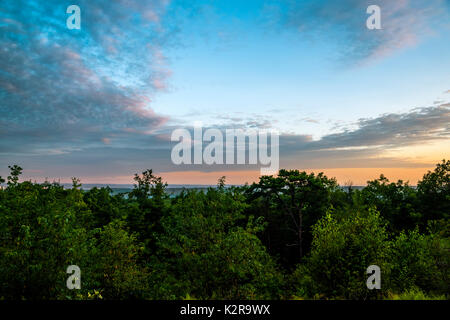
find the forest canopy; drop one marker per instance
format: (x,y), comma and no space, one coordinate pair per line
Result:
(295,235)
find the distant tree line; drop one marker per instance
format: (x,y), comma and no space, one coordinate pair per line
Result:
(296,235)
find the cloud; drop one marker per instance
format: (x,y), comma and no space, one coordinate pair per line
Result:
(367,146)
(404,24)
(64,90)
(416,127)
(368,143)
(81,99)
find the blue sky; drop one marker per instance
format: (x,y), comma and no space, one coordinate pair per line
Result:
(258,70)
(100,102)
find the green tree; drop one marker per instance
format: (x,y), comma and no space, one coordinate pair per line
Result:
(291,203)
(104,206)
(209,250)
(115,268)
(42,233)
(434,193)
(396,202)
(146,207)
(420,261)
(16,171)
(342,250)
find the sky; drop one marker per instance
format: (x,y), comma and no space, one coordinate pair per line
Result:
(100,103)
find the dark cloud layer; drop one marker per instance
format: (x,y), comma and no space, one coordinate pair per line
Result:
(393,130)
(365,146)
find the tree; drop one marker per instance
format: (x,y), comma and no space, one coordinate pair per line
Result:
(115,267)
(42,232)
(420,261)
(16,171)
(291,203)
(146,207)
(434,193)
(396,202)
(104,206)
(342,250)
(209,250)
(226,242)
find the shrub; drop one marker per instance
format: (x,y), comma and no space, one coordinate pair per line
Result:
(414,294)
(420,261)
(342,250)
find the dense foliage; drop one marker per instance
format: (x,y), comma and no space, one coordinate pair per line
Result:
(291,236)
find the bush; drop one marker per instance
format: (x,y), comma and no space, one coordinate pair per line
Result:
(342,250)
(420,261)
(414,294)
(114,266)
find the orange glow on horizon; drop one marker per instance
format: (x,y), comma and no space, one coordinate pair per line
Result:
(357,176)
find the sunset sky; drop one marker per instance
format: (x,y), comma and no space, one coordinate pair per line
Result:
(100,103)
